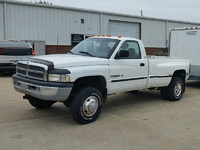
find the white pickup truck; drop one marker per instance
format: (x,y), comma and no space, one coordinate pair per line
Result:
(97,67)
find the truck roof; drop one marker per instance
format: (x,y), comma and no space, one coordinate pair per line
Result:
(115,37)
(14,44)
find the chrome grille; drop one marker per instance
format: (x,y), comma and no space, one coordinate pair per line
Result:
(31,71)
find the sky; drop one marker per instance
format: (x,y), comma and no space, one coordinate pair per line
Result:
(182,10)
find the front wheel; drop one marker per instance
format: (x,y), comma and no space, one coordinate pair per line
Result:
(86,105)
(40,104)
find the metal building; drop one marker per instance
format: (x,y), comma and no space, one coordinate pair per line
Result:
(62,27)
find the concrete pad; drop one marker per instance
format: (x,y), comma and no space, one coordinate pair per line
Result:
(128,121)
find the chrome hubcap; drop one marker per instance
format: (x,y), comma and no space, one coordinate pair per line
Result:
(178,89)
(90,106)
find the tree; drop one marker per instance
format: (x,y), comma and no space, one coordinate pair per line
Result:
(41,2)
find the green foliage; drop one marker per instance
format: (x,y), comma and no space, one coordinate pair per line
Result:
(43,2)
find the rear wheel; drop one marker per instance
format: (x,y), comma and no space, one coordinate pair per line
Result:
(86,105)
(175,89)
(40,104)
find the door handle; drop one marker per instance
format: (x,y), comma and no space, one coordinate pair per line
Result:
(142,64)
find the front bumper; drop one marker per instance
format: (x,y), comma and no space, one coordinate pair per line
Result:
(42,89)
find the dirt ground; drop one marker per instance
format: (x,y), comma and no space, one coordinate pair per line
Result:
(136,121)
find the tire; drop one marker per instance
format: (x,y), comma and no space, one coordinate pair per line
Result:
(40,104)
(86,105)
(163,92)
(175,89)
(134,91)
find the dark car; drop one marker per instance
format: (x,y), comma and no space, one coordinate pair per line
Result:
(13,51)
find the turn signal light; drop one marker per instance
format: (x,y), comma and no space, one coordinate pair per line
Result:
(92,35)
(187,28)
(119,36)
(109,35)
(32,51)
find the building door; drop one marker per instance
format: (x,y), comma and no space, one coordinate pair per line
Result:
(125,29)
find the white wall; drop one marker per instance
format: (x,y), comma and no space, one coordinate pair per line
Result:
(54,25)
(1,22)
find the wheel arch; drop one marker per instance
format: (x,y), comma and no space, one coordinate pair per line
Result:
(181,74)
(98,82)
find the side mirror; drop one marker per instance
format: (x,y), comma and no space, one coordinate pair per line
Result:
(122,54)
(166,50)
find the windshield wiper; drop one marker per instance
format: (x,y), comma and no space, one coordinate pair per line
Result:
(86,53)
(71,52)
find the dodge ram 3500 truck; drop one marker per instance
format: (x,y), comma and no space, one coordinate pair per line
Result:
(97,67)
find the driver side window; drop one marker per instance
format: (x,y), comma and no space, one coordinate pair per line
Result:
(133,48)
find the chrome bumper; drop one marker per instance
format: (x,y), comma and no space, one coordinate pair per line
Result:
(42,92)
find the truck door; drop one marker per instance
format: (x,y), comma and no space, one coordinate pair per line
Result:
(129,73)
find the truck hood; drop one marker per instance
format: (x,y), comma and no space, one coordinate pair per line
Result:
(68,60)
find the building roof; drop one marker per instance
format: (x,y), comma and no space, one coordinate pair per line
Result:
(92,11)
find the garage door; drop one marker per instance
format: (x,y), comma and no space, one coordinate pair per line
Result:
(125,29)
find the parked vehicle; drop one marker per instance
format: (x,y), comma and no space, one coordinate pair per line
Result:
(13,51)
(184,43)
(94,69)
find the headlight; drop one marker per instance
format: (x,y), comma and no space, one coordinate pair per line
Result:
(59,78)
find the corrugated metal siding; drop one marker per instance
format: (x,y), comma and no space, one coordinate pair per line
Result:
(55,25)
(1,22)
(51,25)
(153,33)
(180,25)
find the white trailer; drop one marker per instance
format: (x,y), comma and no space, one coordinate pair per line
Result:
(185,43)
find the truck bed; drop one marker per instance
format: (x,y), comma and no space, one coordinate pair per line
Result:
(161,69)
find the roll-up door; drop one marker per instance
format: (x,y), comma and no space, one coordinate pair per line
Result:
(125,29)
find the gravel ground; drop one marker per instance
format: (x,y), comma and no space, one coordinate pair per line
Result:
(128,121)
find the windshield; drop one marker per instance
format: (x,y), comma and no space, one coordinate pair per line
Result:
(96,47)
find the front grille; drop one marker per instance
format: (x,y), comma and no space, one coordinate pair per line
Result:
(31,71)
(21,65)
(32,74)
(21,72)
(35,68)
